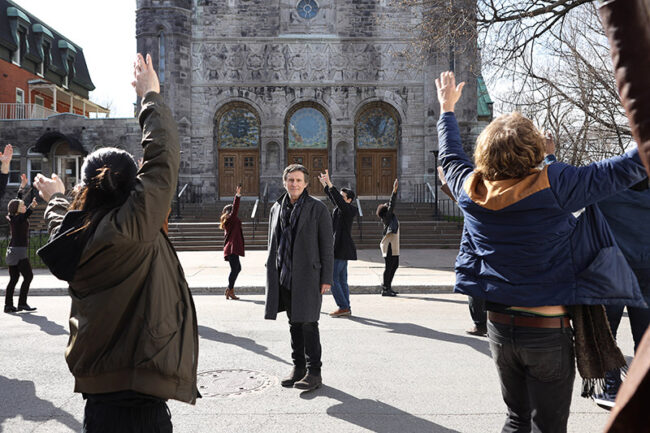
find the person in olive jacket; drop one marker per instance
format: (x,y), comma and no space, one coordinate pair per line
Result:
(299,271)
(344,248)
(133,328)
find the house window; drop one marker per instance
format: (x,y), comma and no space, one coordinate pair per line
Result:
(20,96)
(38,100)
(34,167)
(46,56)
(40,69)
(161,57)
(20,49)
(14,169)
(65,82)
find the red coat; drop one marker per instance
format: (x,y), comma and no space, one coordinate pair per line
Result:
(233,237)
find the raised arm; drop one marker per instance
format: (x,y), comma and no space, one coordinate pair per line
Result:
(235,202)
(455,163)
(393,198)
(5,161)
(144,212)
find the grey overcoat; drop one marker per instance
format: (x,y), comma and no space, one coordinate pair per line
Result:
(312,262)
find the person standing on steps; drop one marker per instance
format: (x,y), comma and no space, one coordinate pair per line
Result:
(233,241)
(17,255)
(389,244)
(298,272)
(344,248)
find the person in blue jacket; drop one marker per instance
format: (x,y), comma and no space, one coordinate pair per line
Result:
(529,256)
(627,214)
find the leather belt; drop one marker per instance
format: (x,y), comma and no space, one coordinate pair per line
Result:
(530,322)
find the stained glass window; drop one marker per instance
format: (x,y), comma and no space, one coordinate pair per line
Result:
(307,9)
(307,129)
(238,128)
(376,129)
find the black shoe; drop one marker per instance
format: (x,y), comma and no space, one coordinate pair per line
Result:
(481,331)
(295,375)
(309,382)
(10,309)
(388,292)
(25,307)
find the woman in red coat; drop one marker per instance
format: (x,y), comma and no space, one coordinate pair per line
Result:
(233,244)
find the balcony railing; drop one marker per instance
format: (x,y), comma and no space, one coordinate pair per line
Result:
(24,111)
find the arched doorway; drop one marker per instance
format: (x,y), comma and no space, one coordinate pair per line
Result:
(307,135)
(66,154)
(377,137)
(237,136)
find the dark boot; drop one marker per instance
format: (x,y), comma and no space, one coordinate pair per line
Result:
(10,309)
(310,382)
(25,307)
(296,374)
(387,291)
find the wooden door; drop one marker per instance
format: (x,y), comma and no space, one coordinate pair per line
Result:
(315,161)
(376,171)
(238,167)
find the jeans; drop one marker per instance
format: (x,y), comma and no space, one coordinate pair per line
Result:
(305,339)
(25,268)
(536,368)
(391,265)
(235,268)
(126,412)
(477,311)
(340,289)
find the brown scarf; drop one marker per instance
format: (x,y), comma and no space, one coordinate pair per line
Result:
(595,347)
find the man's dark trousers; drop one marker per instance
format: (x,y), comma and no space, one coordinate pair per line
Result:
(305,339)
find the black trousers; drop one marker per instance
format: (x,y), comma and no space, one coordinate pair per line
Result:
(391,265)
(126,412)
(235,269)
(23,268)
(305,339)
(477,311)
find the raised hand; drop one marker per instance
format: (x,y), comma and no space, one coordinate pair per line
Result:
(238,190)
(34,202)
(321,179)
(145,77)
(47,187)
(448,92)
(549,144)
(5,158)
(23,181)
(395,185)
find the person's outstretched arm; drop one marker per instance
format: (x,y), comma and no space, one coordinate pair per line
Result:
(51,190)
(5,162)
(144,212)
(235,201)
(393,198)
(455,163)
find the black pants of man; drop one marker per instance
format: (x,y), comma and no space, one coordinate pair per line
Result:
(235,268)
(126,412)
(391,265)
(23,268)
(305,339)
(536,368)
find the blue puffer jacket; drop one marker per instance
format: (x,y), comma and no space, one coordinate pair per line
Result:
(627,214)
(522,244)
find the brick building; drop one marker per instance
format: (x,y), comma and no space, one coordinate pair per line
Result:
(41,74)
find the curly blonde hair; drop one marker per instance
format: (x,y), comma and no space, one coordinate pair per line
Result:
(508,148)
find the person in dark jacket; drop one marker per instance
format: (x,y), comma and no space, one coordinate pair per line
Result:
(389,244)
(298,272)
(627,214)
(344,248)
(530,257)
(5,163)
(133,328)
(233,241)
(17,255)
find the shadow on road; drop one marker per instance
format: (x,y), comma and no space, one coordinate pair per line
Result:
(374,415)
(44,323)
(420,298)
(252,301)
(19,398)
(478,344)
(245,343)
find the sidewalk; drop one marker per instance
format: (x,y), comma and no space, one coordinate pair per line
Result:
(420,271)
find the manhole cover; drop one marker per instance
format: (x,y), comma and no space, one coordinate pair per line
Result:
(218,383)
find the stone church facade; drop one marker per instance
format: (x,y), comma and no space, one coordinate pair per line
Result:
(256,85)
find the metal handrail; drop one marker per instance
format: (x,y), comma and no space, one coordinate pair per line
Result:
(360,219)
(433,193)
(265,196)
(182,190)
(254,216)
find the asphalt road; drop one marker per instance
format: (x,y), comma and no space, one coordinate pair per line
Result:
(398,365)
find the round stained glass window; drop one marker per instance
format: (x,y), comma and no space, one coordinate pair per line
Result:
(307,129)
(239,127)
(307,9)
(376,128)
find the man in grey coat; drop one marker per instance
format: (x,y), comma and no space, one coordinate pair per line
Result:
(298,271)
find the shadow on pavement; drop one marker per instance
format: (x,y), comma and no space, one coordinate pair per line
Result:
(420,298)
(245,343)
(478,344)
(373,415)
(42,322)
(19,398)
(252,301)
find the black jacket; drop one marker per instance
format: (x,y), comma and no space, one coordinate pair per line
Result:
(342,219)
(391,224)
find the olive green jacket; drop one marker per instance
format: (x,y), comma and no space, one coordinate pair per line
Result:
(133,323)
